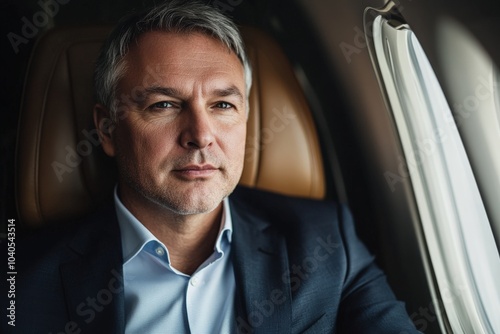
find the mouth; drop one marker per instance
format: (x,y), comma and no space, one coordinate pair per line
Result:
(196,171)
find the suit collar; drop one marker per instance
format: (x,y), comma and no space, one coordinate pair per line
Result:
(263,296)
(92,278)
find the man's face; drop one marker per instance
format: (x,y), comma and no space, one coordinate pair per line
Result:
(181,142)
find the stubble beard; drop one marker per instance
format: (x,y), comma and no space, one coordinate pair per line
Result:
(180,200)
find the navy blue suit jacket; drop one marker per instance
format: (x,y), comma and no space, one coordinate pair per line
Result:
(298,264)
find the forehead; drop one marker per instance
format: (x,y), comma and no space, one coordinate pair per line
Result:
(160,53)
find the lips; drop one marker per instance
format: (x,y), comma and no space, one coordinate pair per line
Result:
(196,171)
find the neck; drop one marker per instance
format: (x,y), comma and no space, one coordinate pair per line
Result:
(190,239)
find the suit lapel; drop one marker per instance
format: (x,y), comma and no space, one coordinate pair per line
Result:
(92,279)
(93,284)
(263,296)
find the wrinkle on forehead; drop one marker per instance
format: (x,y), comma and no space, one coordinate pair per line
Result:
(173,41)
(186,62)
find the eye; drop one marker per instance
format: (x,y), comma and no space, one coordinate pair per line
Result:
(224,105)
(161,105)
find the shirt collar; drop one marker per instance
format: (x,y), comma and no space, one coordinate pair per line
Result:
(135,235)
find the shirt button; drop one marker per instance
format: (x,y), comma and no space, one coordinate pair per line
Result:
(160,251)
(195,281)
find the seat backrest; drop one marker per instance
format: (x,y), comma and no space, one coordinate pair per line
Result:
(63,173)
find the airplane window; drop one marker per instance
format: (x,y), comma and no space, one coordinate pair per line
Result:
(473,93)
(457,234)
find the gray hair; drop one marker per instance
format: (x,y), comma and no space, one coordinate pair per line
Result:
(172,16)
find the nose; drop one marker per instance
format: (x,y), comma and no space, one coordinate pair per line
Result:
(197,130)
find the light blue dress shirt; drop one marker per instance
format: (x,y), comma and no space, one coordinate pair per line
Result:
(160,299)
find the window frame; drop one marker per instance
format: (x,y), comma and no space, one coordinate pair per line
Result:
(449,239)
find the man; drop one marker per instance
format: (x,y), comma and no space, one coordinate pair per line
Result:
(179,251)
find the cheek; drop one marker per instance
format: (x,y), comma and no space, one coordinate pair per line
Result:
(235,141)
(147,142)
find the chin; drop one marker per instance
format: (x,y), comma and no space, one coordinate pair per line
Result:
(190,203)
(201,208)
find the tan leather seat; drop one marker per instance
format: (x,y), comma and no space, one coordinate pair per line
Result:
(61,170)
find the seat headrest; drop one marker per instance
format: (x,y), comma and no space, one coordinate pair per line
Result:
(62,172)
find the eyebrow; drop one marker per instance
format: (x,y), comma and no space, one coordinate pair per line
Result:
(230,91)
(169,91)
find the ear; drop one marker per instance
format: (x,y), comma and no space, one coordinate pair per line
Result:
(105,127)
